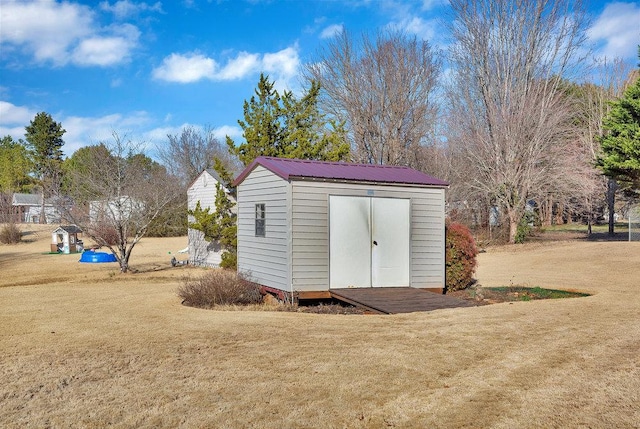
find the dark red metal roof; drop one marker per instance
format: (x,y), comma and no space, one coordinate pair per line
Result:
(296,168)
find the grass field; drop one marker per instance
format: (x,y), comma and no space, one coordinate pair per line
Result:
(84,346)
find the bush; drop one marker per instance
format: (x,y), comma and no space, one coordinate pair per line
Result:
(219,287)
(10,234)
(524,227)
(229,259)
(460,257)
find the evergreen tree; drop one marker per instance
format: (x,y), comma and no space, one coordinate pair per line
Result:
(44,138)
(620,157)
(284,126)
(219,225)
(77,167)
(15,166)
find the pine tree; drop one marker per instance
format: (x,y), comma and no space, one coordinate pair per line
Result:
(620,143)
(44,138)
(283,126)
(219,225)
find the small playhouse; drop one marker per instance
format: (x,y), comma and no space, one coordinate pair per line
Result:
(307,227)
(64,239)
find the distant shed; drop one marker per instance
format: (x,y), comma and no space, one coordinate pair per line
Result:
(203,189)
(307,227)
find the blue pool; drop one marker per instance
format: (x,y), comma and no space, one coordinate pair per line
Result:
(94,257)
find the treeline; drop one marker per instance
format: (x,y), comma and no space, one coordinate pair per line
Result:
(507,115)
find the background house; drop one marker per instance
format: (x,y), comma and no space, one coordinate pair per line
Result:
(307,227)
(28,208)
(203,189)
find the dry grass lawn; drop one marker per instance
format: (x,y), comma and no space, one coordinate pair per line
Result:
(83,346)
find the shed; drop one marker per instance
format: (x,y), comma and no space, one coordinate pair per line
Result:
(203,189)
(307,227)
(64,239)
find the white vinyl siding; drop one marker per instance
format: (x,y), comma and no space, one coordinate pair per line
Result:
(202,252)
(265,259)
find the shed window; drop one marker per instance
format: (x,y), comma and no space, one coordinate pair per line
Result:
(260,218)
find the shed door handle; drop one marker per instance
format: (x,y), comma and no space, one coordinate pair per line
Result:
(375,243)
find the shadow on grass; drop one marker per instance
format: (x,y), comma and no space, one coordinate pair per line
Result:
(7,258)
(604,236)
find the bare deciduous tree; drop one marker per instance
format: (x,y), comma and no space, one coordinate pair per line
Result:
(186,155)
(117,194)
(384,88)
(510,120)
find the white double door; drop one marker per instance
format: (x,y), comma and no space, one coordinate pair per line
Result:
(368,242)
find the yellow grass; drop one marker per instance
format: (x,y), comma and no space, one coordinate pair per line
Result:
(83,346)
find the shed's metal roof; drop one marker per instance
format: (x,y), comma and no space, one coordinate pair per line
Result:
(298,169)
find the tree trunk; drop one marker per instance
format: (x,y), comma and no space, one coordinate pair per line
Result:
(548,218)
(43,214)
(612,187)
(559,214)
(514,220)
(124,263)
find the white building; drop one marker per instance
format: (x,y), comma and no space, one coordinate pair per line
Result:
(203,189)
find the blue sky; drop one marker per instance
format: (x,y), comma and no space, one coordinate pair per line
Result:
(146,69)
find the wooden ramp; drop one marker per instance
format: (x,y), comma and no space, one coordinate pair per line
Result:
(393,300)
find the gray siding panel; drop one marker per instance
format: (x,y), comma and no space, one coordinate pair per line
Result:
(310,231)
(265,259)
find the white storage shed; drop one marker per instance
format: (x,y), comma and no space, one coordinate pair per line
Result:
(203,189)
(307,227)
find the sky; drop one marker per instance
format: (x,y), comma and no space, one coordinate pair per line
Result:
(148,69)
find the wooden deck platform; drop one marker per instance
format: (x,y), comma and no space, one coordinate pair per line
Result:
(393,300)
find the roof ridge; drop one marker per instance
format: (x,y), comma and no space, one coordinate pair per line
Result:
(339,163)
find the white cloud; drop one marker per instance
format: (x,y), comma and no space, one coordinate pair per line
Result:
(185,68)
(331,31)
(125,8)
(159,135)
(61,33)
(425,30)
(226,130)
(84,131)
(192,67)
(616,31)
(239,67)
(104,51)
(11,114)
(282,66)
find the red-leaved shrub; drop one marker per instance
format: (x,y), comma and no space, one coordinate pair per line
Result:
(460,257)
